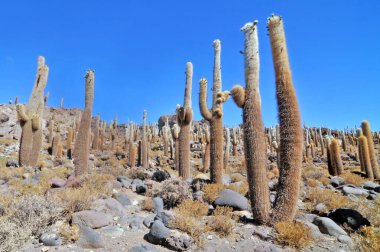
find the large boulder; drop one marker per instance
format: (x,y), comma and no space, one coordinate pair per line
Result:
(232,199)
(328,226)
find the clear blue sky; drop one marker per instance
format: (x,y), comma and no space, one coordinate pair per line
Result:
(139,49)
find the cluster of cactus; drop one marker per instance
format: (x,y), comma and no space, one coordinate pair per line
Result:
(290,129)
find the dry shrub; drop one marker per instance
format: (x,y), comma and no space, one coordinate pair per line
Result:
(354,179)
(370,210)
(236,177)
(324,180)
(312,182)
(312,172)
(9,173)
(70,233)
(188,218)
(221,221)
(368,240)
(293,234)
(172,191)
(191,208)
(331,199)
(148,205)
(241,188)
(115,170)
(29,216)
(212,191)
(137,173)
(75,199)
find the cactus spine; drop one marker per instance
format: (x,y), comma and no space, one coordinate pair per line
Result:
(184,118)
(290,148)
(214,116)
(82,143)
(366,128)
(30,118)
(249,99)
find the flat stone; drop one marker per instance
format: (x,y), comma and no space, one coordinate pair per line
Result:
(90,239)
(354,191)
(92,219)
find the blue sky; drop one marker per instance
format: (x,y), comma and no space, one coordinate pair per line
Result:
(139,49)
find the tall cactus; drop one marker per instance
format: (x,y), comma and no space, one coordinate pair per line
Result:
(69,142)
(366,128)
(144,145)
(30,118)
(214,116)
(249,100)
(184,118)
(285,206)
(82,143)
(206,153)
(336,161)
(365,157)
(95,140)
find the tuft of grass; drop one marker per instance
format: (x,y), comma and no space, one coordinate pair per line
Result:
(148,205)
(368,240)
(212,191)
(331,199)
(221,221)
(188,218)
(70,233)
(312,182)
(293,234)
(354,179)
(239,188)
(136,173)
(236,177)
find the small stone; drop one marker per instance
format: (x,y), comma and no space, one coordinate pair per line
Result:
(50,239)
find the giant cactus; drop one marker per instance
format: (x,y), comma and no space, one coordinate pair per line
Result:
(249,100)
(82,143)
(214,116)
(184,118)
(365,160)
(290,148)
(95,140)
(30,118)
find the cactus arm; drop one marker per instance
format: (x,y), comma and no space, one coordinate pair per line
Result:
(36,124)
(238,95)
(188,87)
(20,108)
(206,113)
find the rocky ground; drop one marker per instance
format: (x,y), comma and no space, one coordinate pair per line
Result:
(119,208)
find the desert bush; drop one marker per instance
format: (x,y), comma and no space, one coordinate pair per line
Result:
(136,173)
(212,191)
(29,216)
(325,180)
(368,240)
(221,221)
(312,172)
(191,208)
(188,218)
(370,210)
(293,234)
(147,205)
(241,188)
(331,199)
(236,177)
(75,199)
(172,192)
(9,173)
(312,182)
(354,179)
(69,233)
